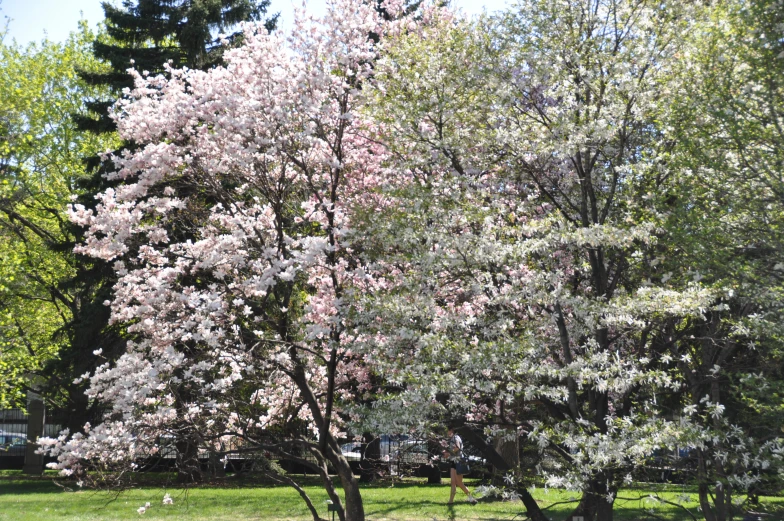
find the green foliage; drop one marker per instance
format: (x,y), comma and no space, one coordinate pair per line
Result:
(40,164)
(725,123)
(724,142)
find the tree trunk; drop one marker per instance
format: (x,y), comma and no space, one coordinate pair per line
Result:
(532,509)
(78,411)
(702,488)
(507,445)
(604,509)
(329,486)
(434,470)
(293,484)
(594,505)
(496,460)
(720,509)
(216,467)
(354,509)
(188,467)
(328,446)
(371,457)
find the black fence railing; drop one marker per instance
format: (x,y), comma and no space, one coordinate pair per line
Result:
(13,435)
(392,455)
(397,454)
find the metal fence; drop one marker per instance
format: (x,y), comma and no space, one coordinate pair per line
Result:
(393,455)
(13,436)
(397,453)
(400,455)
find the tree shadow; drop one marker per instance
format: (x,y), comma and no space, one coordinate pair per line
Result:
(23,487)
(374,510)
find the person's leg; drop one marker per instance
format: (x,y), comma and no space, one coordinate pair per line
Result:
(463,487)
(453,483)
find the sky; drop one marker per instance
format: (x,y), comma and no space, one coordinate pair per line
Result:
(32,20)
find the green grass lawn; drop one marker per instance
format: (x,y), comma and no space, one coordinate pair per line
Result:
(24,499)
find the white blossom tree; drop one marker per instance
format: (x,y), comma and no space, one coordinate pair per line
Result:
(525,254)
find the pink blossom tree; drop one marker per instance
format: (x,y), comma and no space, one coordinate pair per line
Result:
(231,237)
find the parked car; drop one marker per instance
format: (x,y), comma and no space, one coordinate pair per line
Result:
(410,452)
(12,443)
(352,451)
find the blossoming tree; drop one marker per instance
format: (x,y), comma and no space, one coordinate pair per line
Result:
(530,287)
(482,212)
(230,238)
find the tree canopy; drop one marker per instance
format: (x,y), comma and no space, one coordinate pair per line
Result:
(558,224)
(40,155)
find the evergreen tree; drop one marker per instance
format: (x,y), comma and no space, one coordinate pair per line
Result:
(147,34)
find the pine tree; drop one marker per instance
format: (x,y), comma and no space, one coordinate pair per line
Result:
(147,34)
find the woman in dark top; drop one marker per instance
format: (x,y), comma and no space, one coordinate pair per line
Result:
(454,453)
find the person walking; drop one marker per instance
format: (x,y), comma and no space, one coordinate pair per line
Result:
(454,454)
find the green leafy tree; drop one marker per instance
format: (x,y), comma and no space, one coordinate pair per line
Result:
(726,139)
(40,167)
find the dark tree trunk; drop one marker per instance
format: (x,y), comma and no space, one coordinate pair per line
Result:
(78,411)
(594,505)
(188,467)
(509,449)
(531,506)
(329,486)
(371,457)
(354,509)
(293,484)
(496,460)
(329,450)
(434,471)
(216,468)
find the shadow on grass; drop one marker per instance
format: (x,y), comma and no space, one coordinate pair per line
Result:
(244,480)
(373,510)
(26,486)
(256,481)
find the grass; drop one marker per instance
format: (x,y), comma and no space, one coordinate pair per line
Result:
(42,499)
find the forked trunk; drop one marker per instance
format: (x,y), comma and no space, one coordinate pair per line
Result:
(532,508)
(718,508)
(533,511)
(353,507)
